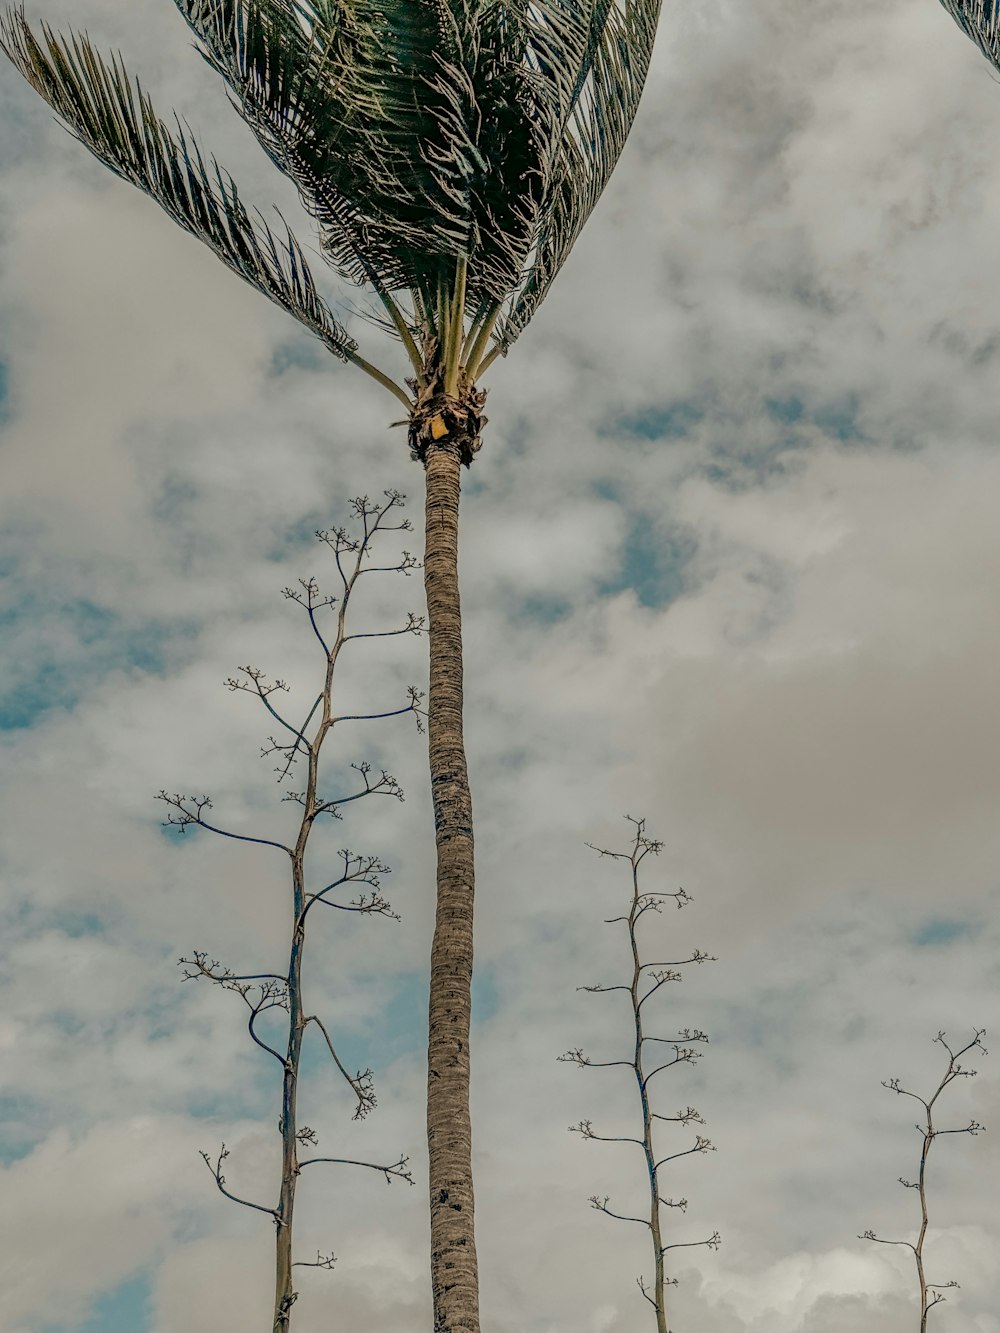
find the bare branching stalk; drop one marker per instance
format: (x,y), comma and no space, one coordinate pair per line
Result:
(263,992)
(684,1047)
(930,1292)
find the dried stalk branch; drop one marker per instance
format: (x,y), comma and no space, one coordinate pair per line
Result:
(685,1052)
(266,991)
(930,1292)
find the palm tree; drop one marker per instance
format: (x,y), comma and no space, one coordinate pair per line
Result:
(449,152)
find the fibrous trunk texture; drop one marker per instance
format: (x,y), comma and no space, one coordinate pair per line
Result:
(454,1269)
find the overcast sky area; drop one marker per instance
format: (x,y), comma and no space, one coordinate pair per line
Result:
(729,562)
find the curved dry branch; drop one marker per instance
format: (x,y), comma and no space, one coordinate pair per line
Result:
(643,847)
(929,1293)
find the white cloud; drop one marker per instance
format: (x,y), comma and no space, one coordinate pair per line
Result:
(771,365)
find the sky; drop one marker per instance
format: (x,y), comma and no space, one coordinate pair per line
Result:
(729,564)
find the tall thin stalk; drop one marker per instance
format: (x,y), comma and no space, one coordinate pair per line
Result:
(685,1052)
(263,992)
(930,1292)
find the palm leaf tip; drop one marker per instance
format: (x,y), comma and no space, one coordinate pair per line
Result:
(979,20)
(115,120)
(592,58)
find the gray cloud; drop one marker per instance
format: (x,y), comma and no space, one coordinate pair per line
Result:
(771,362)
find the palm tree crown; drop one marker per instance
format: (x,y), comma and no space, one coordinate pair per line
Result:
(449,151)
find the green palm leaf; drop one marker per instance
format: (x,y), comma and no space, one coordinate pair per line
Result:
(119,126)
(980,20)
(366,107)
(610,77)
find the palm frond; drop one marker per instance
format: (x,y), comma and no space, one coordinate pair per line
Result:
(980,20)
(593,57)
(450,148)
(422,133)
(509,189)
(365,106)
(118,124)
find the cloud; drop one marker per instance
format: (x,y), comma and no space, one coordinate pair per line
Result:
(726,563)
(87,1211)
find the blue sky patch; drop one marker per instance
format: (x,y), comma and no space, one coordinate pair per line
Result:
(104,643)
(21,1127)
(23,705)
(660,423)
(124,1310)
(737,466)
(317,559)
(78,924)
(942,930)
(175,497)
(302,353)
(653,563)
(545,609)
(839,418)
(788,410)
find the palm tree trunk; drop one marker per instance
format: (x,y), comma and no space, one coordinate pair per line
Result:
(454,1269)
